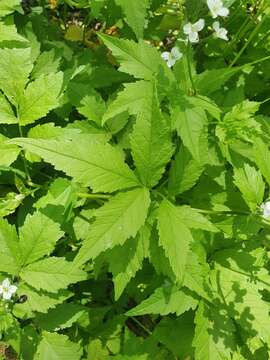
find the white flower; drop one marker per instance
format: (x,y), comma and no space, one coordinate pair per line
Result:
(172,57)
(220,32)
(265,207)
(7,290)
(217,8)
(191,30)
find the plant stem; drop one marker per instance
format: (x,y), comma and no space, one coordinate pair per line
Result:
(141,325)
(23,153)
(189,53)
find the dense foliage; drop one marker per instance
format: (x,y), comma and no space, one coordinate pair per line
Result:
(134,178)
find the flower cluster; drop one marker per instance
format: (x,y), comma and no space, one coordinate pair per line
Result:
(7,290)
(265,207)
(191,31)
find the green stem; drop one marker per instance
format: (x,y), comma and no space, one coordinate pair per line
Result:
(189,49)
(141,325)
(251,37)
(23,153)
(93,196)
(222,212)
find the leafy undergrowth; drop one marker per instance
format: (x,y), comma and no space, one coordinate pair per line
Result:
(134,179)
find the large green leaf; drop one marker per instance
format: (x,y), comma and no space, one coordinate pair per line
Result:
(151,145)
(9,248)
(262,158)
(54,346)
(138,59)
(90,163)
(214,334)
(7,115)
(165,300)
(15,67)
(135,13)
(9,6)
(40,96)
(116,221)
(38,236)
(174,237)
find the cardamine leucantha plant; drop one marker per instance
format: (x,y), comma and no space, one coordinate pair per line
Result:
(134,179)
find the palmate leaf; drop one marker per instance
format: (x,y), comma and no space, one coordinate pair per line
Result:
(40,96)
(174,237)
(54,346)
(250,183)
(165,300)
(131,99)
(135,13)
(116,221)
(52,274)
(94,164)
(138,59)
(214,334)
(151,145)
(38,237)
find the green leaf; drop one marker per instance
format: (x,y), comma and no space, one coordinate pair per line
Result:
(57,347)
(132,254)
(7,115)
(40,97)
(116,221)
(9,248)
(190,124)
(38,237)
(165,300)
(151,145)
(15,67)
(135,13)
(184,172)
(8,152)
(47,63)
(92,107)
(250,183)
(174,237)
(131,99)
(193,219)
(40,301)
(62,317)
(100,166)
(138,59)
(52,274)
(8,32)
(262,158)
(9,6)
(214,334)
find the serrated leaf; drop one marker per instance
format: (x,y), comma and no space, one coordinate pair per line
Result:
(92,107)
(57,347)
(7,115)
(40,301)
(135,13)
(8,32)
(100,166)
(15,67)
(165,300)
(193,219)
(8,152)
(262,158)
(116,221)
(250,183)
(132,254)
(47,63)
(9,248)
(151,145)
(52,274)
(174,237)
(190,124)
(131,99)
(184,172)
(38,237)
(138,59)
(214,334)
(40,97)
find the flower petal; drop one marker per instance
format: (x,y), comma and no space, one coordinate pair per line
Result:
(199,25)
(6,283)
(176,53)
(223,11)
(165,55)
(216,25)
(171,62)
(7,295)
(13,289)
(193,37)
(187,28)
